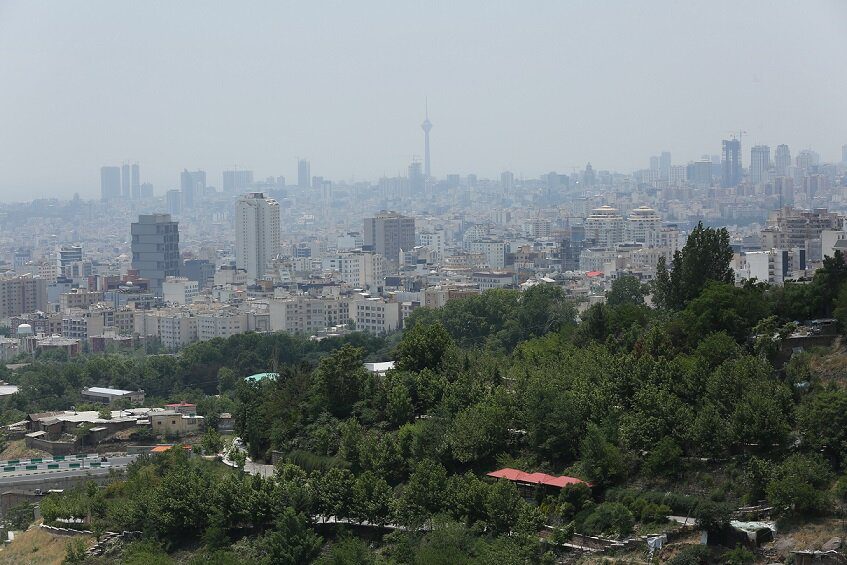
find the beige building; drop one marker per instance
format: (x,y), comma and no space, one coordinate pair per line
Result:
(174,423)
(19,295)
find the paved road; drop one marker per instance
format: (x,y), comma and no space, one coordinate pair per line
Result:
(65,470)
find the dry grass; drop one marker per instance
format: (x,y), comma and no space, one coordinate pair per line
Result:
(37,547)
(17,449)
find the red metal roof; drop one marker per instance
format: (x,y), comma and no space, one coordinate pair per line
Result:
(535,478)
(594,273)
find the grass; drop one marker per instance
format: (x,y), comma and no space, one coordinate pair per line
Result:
(37,547)
(17,449)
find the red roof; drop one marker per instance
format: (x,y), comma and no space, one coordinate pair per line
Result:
(594,273)
(178,404)
(535,478)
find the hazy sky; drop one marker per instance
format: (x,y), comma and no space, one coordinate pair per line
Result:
(526,86)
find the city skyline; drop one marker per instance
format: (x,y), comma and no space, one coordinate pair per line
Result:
(536,103)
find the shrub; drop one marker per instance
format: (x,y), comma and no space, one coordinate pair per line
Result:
(609,518)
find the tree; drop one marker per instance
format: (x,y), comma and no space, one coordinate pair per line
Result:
(626,290)
(75,551)
(663,459)
(602,462)
(335,492)
(822,420)
(609,518)
(503,506)
(705,257)
(478,431)
(337,382)
(291,542)
(424,494)
(798,486)
(424,346)
(212,442)
(372,498)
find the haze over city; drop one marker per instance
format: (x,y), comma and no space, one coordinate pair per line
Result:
(511,86)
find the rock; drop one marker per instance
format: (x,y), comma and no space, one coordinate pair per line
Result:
(832,545)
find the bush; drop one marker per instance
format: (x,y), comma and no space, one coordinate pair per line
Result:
(609,518)
(691,555)
(738,556)
(798,486)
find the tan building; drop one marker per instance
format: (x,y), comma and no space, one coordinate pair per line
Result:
(173,423)
(22,294)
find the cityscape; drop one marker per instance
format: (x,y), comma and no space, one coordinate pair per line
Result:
(423,284)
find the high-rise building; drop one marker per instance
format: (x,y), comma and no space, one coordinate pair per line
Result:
(173,202)
(110,183)
(731,163)
(507,183)
(605,227)
(237,181)
(66,257)
(304,174)
(416,179)
(135,182)
(654,164)
(155,248)
(760,161)
(125,181)
(388,233)
(257,227)
(782,160)
(665,165)
(784,188)
(643,225)
(192,184)
(22,294)
(807,159)
(426,126)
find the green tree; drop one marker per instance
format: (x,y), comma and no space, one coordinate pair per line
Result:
(291,542)
(663,459)
(337,382)
(478,431)
(424,346)
(503,506)
(602,462)
(372,498)
(609,518)
(705,257)
(335,492)
(798,486)
(74,551)
(626,290)
(424,494)
(822,420)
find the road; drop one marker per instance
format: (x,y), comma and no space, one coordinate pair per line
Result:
(70,468)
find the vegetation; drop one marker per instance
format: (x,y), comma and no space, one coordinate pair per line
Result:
(683,400)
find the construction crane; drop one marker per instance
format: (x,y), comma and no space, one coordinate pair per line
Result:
(741,134)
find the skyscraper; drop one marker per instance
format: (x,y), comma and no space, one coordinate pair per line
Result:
(304,174)
(665,165)
(426,126)
(760,161)
(192,184)
(782,160)
(155,248)
(135,182)
(654,163)
(256,233)
(237,181)
(110,183)
(731,163)
(125,181)
(416,179)
(388,233)
(507,182)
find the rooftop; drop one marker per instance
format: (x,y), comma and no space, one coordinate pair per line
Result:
(518,476)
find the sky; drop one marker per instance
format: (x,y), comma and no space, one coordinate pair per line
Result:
(530,87)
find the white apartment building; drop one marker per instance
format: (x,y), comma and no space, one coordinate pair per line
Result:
(222,323)
(257,229)
(774,266)
(605,226)
(537,228)
(643,225)
(306,314)
(174,327)
(493,252)
(486,280)
(435,242)
(374,315)
(179,290)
